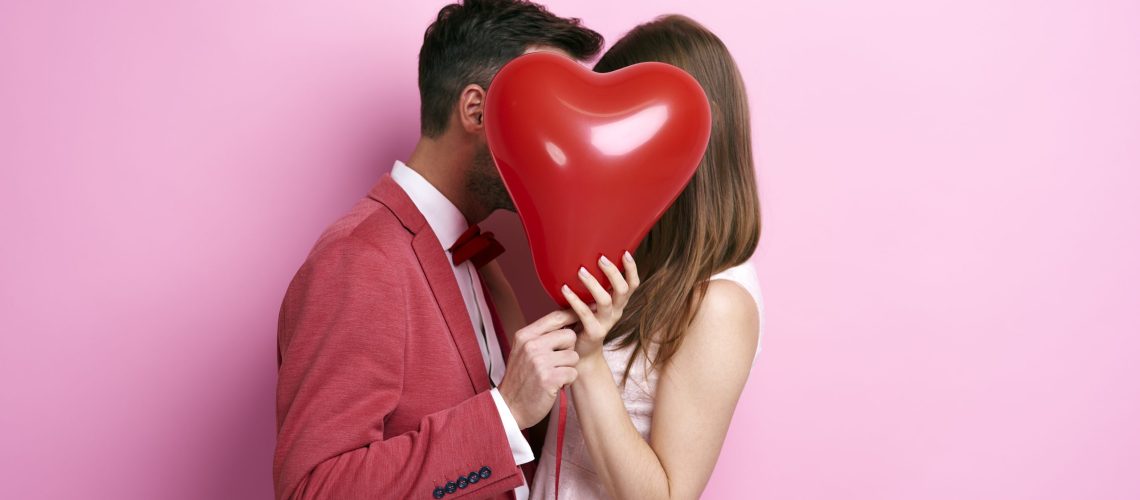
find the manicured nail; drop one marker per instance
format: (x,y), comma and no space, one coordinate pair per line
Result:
(627,256)
(605,261)
(565,289)
(583,272)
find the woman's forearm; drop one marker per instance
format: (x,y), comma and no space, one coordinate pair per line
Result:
(623,460)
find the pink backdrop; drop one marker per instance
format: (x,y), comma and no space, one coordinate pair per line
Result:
(949,254)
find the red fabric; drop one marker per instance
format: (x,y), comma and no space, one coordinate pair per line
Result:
(478,247)
(382,390)
(559,438)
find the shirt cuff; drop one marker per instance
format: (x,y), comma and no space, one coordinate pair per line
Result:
(520,448)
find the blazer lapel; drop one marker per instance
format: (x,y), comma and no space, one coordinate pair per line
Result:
(440,278)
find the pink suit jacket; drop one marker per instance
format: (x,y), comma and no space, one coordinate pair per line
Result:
(382,390)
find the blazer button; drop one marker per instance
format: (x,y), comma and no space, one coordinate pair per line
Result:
(438,492)
(473,478)
(450,488)
(461,482)
(485,472)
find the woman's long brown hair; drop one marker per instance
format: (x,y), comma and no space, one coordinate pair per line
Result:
(715,222)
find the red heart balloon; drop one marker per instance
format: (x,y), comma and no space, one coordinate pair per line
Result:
(592,160)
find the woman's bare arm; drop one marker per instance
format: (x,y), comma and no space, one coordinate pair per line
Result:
(696,396)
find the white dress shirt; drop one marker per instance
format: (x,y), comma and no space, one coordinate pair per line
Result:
(448,223)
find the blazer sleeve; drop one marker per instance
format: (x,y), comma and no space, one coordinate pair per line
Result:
(341,335)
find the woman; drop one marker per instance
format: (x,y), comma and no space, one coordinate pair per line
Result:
(661,370)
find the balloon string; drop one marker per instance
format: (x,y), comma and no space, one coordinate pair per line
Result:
(558,442)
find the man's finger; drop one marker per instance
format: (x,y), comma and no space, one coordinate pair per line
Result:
(565,375)
(552,321)
(556,340)
(564,357)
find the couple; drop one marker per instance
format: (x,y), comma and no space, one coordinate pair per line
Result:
(405,367)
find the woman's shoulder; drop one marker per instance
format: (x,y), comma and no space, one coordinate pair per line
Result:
(743,275)
(728,303)
(729,290)
(726,324)
(719,347)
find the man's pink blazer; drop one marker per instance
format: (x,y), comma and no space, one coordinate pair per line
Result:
(382,391)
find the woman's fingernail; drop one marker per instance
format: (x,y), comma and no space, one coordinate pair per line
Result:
(565,289)
(583,272)
(627,256)
(605,261)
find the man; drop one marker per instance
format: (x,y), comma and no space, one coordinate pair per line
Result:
(396,376)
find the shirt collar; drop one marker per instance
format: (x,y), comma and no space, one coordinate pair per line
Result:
(445,220)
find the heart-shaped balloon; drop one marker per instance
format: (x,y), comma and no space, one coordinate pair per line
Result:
(592,160)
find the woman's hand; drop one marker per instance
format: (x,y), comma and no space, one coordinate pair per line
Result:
(597,320)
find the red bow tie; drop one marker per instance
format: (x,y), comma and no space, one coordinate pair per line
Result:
(479,248)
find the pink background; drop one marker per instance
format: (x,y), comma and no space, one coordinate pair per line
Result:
(949,255)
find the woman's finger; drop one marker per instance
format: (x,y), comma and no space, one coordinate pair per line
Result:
(631,276)
(617,282)
(601,298)
(585,315)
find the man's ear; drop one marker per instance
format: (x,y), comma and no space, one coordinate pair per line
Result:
(471,100)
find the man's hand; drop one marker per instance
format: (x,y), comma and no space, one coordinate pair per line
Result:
(542,360)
